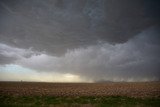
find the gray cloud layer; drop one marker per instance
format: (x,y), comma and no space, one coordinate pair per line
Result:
(117,40)
(9,55)
(57,25)
(137,59)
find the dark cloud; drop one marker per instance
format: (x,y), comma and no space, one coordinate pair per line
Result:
(136,60)
(57,25)
(115,40)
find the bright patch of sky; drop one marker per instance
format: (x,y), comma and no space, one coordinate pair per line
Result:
(14,69)
(18,73)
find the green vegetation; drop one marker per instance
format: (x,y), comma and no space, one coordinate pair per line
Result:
(47,101)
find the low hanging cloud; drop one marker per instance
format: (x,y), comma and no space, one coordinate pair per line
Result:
(136,60)
(114,40)
(10,54)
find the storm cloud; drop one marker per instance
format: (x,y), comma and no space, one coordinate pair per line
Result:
(57,25)
(137,59)
(114,40)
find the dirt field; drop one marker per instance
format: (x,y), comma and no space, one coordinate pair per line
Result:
(148,89)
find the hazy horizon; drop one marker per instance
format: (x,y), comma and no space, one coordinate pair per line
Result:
(80,40)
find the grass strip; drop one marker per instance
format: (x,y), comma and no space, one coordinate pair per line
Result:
(107,101)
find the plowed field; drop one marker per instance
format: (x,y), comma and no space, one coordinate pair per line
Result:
(146,89)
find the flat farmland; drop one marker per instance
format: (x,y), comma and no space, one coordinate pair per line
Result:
(146,89)
(80,94)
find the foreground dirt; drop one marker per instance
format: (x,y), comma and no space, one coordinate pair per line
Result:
(146,89)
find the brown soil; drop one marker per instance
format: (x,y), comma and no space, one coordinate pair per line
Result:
(146,89)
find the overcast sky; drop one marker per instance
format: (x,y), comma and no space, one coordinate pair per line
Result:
(79,40)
